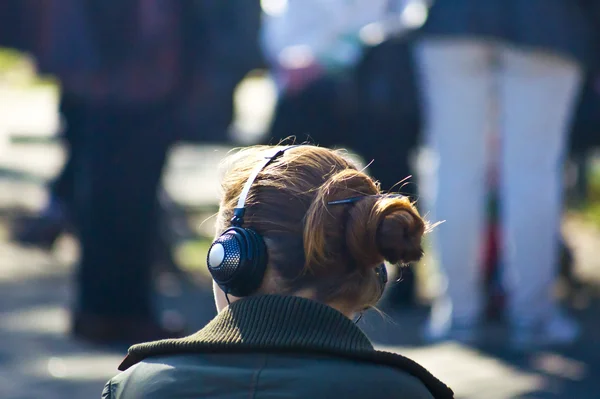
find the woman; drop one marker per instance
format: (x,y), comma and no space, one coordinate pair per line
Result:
(289,278)
(511,68)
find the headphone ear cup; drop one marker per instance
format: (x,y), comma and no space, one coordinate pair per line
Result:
(237,261)
(253,267)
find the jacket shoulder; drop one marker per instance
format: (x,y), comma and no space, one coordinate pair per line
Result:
(336,377)
(143,380)
(275,374)
(107,391)
(198,375)
(399,384)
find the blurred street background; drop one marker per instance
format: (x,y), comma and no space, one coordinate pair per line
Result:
(39,356)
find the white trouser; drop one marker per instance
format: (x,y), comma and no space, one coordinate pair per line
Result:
(472,88)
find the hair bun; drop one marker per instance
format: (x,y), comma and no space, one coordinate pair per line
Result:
(372,229)
(387,227)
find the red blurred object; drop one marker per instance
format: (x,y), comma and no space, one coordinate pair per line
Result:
(492,273)
(493,288)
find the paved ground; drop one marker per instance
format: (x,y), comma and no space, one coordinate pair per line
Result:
(38,360)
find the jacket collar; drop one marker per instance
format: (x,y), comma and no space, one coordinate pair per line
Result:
(283,324)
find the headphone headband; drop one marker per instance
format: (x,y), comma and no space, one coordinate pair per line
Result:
(240,209)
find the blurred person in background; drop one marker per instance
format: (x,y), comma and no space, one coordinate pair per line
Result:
(56,216)
(124,61)
(318,230)
(513,67)
(341,87)
(22,24)
(206,111)
(311,48)
(223,49)
(146,71)
(220,48)
(585,133)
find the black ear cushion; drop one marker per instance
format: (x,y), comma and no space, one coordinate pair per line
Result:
(253,267)
(251,243)
(259,254)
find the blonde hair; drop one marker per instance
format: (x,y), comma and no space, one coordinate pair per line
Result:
(330,249)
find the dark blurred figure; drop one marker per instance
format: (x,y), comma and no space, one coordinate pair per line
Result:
(124,61)
(388,106)
(206,111)
(585,130)
(57,217)
(313,61)
(585,136)
(221,49)
(377,96)
(13,30)
(146,71)
(73,111)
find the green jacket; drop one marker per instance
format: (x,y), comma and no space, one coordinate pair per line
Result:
(272,347)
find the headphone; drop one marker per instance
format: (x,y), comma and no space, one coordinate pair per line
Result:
(237,259)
